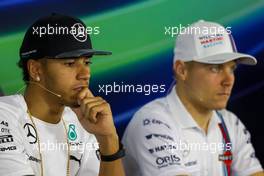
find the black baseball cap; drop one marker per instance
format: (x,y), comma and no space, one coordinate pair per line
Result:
(57,36)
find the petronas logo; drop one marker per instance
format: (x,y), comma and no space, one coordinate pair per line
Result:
(72,135)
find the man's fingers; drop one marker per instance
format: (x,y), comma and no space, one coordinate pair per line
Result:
(89,100)
(89,93)
(85,93)
(84,102)
(91,115)
(89,107)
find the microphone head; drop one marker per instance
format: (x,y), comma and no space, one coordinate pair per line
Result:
(58,95)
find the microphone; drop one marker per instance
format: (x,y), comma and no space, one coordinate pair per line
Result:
(41,86)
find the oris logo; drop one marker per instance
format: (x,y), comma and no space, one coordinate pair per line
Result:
(168,160)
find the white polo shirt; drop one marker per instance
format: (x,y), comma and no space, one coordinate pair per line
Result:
(162,139)
(19,152)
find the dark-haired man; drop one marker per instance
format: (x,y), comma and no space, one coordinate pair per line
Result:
(56,126)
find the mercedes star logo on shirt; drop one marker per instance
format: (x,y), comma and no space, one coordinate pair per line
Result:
(31,133)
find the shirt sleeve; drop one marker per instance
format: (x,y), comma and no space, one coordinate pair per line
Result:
(244,159)
(13,159)
(151,145)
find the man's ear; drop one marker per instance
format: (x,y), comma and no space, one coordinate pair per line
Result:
(34,69)
(180,70)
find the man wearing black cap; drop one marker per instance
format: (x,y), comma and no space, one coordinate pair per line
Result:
(56,126)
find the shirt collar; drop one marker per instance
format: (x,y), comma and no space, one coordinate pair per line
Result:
(182,116)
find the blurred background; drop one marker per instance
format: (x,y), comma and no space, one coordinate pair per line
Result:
(134,31)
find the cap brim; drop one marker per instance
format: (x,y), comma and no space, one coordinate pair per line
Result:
(226,57)
(82,52)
